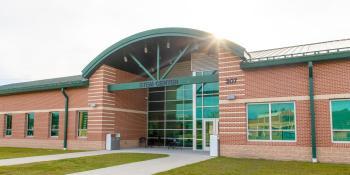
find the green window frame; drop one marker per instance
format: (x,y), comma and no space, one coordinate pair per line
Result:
(54,124)
(82,123)
(271,121)
(30,124)
(206,97)
(340,120)
(8,125)
(170,115)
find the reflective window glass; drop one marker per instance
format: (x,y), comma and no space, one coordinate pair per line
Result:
(341,120)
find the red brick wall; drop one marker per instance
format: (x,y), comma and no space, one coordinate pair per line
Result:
(332,77)
(280,83)
(41,103)
(122,111)
(43,100)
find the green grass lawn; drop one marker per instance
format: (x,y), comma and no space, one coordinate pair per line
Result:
(66,166)
(232,166)
(8,152)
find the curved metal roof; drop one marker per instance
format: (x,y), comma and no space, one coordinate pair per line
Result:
(161,32)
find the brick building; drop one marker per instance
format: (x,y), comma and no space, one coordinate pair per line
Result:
(177,86)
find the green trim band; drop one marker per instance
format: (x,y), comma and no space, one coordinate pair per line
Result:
(163,83)
(294,60)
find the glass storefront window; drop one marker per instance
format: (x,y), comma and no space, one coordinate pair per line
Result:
(211,112)
(155,116)
(174,125)
(188,125)
(156,106)
(177,107)
(340,110)
(155,133)
(157,96)
(211,100)
(174,133)
(188,115)
(170,114)
(188,134)
(156,125)
(207,104)
(188,143)
(280,115)
(174,115)
(211,88)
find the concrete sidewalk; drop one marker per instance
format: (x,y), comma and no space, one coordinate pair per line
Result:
(177,158)
(23,160)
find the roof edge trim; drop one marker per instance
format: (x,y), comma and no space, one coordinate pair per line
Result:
(45,87)
(295,60)
(183,32)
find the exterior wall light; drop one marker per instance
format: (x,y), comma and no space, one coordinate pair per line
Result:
(231,97)
(146,49)
(168,44)
(125,59)
(92,105)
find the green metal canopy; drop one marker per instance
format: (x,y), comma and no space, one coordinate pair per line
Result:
(134,42)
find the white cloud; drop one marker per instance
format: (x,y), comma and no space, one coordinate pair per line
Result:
(52,38)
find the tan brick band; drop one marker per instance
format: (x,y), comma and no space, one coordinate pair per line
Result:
(290,98)
(75,109)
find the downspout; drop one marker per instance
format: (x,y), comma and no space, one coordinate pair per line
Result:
(66,103)
(312,112)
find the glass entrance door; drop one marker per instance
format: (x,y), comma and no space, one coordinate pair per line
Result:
(210,127)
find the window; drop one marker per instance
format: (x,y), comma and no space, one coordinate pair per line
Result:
(30,124)
(271,121)
(83,124)
(170,116)
(54,129)
(207,104)
(340,112)
(8,124)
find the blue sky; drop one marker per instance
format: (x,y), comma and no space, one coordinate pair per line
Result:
(53,38)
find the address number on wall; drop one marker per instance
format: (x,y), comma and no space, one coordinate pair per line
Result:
(231,80)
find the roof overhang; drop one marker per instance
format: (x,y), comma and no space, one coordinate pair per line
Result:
(44,85)
(155,33)
(294,60)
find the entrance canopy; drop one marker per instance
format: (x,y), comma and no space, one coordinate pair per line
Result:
(147,52)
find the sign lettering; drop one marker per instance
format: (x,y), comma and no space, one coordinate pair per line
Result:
(160,83)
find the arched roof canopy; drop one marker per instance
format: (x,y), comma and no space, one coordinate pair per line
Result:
(138,40)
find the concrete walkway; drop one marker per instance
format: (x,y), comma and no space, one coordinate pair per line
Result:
(23,160)
(177,158)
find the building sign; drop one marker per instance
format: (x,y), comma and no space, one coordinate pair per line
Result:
(165,82)
(159,83)
(231,80)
